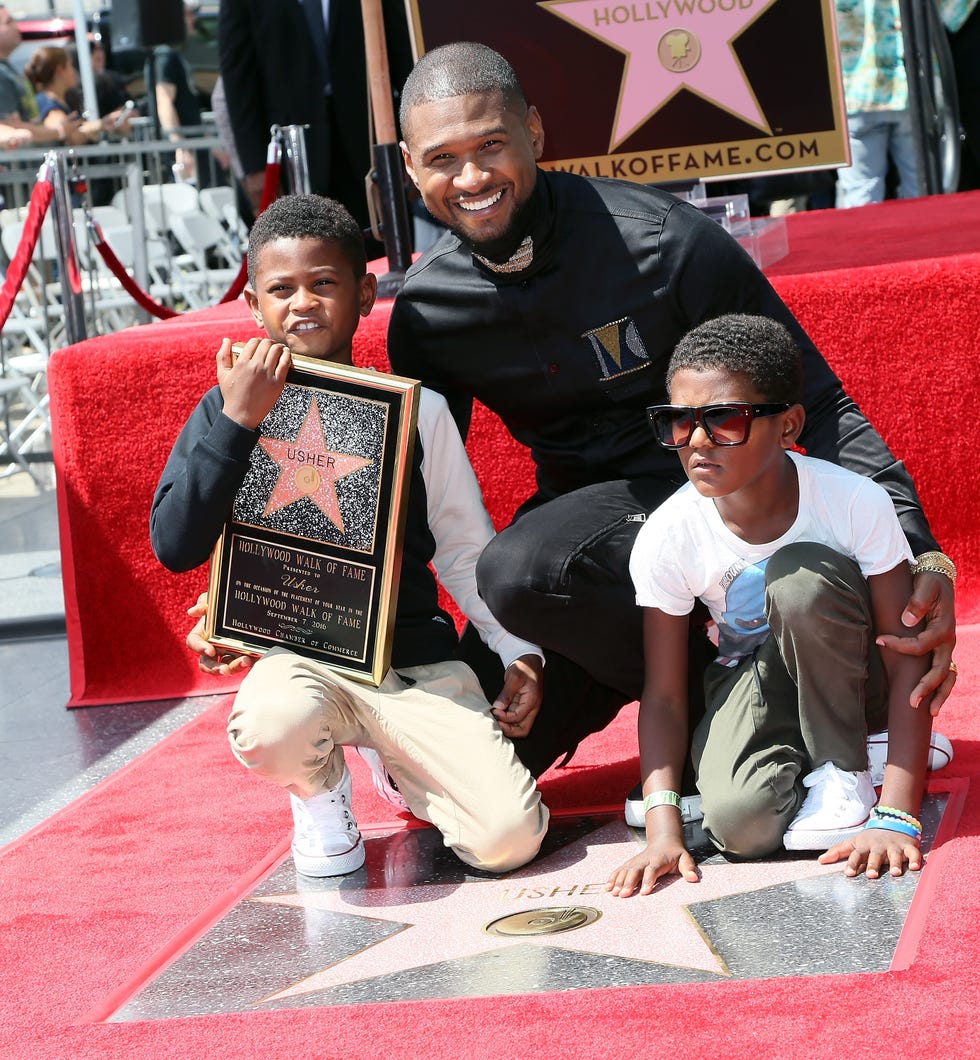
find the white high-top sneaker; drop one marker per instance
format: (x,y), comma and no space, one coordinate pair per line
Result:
(940,754)
(326,841)
(836,807)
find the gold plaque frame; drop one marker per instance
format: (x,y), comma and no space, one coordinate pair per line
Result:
(311,556)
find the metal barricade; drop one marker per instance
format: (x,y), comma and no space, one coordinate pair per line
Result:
(182,244)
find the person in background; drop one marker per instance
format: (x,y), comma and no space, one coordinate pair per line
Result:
(179,106)
(19,122)
(111,92)
(290,63)
(222,121)
(51,72)
(876,94)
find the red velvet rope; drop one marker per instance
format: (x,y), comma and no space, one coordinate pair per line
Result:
(41,196)
(115,266)
(36,209)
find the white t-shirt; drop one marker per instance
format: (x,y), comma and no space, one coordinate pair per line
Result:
(685,552)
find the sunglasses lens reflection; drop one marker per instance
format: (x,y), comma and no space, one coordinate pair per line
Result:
(725,425)
(673,426)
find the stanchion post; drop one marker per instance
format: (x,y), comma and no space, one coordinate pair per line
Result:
(297,163)
(137,220)
(68,270)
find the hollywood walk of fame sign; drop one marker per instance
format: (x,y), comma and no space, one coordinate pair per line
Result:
(311,554)
(666,91)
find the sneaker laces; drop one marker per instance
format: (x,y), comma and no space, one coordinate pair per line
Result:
(325,814)
(829,787)
(384,785)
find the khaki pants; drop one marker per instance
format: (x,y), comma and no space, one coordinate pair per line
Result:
(808,695)
(434,731)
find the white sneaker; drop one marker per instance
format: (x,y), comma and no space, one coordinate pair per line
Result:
(383,784)
(940,754)
(636,818)
(836,807)
(326,841)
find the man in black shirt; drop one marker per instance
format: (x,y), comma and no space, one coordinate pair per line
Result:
(556,300)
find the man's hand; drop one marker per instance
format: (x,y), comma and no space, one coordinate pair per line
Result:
(931,601)
(209,658)
(252,185)
(251,385)
(520,699)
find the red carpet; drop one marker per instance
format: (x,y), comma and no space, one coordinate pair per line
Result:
(898,230)
(94,895)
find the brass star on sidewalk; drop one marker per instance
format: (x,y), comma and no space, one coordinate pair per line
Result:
(445,922)
(670,45)
(307,468)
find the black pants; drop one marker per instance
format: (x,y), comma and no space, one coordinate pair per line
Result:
(559,576)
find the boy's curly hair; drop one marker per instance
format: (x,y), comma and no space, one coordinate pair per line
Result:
(757,347)
(307,217)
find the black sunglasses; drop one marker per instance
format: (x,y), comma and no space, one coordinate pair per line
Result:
(725,423)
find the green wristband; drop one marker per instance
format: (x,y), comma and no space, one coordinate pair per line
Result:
(661,798)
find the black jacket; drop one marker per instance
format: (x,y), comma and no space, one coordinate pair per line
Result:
(571,351)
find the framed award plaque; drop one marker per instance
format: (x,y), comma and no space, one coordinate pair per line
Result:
(311,555)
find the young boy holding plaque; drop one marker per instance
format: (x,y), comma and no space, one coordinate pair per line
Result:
(428,727)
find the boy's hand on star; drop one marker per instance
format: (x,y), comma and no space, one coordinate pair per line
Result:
(660,857)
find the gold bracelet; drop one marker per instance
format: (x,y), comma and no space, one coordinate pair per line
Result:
(936,562)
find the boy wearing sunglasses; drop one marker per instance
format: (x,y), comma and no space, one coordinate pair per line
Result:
(802,565)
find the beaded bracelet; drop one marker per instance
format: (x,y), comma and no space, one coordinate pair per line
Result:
(899,815)
(889,824)
(661,798)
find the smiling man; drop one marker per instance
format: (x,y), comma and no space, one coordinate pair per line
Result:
(556,300)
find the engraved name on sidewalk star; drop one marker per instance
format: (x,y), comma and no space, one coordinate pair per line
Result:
(444,922)
(670,45)
(307,468)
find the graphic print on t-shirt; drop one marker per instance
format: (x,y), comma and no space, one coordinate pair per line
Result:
(743,626)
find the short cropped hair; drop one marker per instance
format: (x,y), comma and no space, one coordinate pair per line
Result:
(459,69)
(308,217)
(757,347)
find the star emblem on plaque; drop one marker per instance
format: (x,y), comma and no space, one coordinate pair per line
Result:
(307,468)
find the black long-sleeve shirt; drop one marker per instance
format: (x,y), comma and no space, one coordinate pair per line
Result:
(570,351)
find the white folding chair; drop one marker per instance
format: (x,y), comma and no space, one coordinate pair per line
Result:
(26,413)
(37,313)
(163,202)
